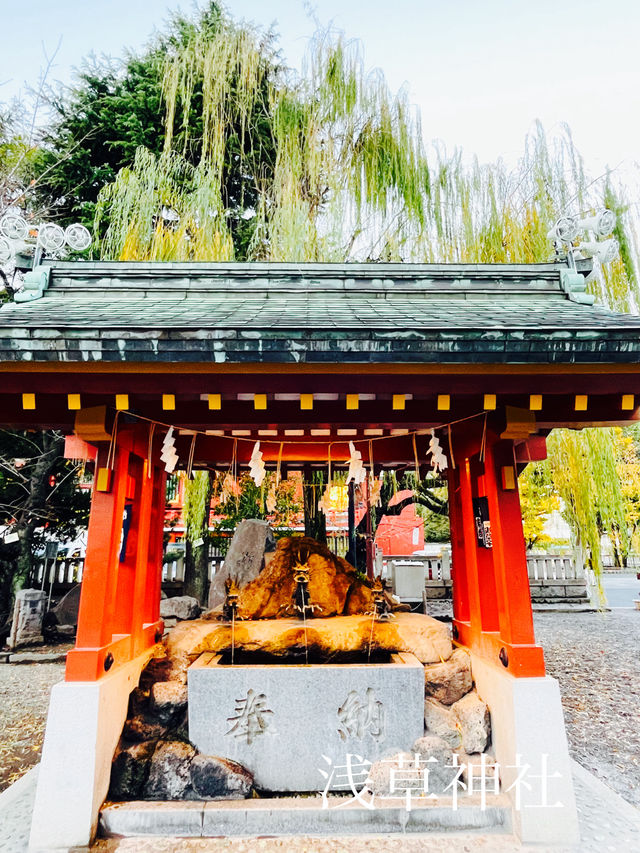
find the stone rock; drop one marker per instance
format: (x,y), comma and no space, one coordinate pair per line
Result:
(245,558)
(219,778)
(437,756)
(472,766)
(474,722)
(169,774)
(66,610)
(141,727)
(180,728)
(67,632)
(129,771)
(425,637)
(138,702)
(28,614)
(180,607)
(160,668)
(388,774)
(167,700)
(449,681)
(331,579)
(442,722)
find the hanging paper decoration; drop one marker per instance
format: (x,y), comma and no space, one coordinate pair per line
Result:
(375,487)
(168,454)
(356,468)
(438,458)
(324,504)
(271,500)
(230,488)
(257,471)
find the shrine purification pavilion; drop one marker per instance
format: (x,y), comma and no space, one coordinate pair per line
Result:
(306,358)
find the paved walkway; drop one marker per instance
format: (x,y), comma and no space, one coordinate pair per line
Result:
(607,825)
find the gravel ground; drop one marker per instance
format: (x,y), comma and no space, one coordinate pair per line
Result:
(24,701)
(353,844)
(596,659)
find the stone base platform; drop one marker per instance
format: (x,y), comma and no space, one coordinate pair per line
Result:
(285,816)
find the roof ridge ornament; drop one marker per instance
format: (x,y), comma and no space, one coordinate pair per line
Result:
(35,283)
(564,233)
(574,285)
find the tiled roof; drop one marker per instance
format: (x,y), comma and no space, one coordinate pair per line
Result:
(291,312)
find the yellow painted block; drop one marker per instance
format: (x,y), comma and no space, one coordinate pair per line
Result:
(168,402)
(399,401)
(122,402)
(73,402)
(103,480)
(306,402)
(353,401)
(28,401)
(260,401)
(215,401)
(628,403)
(535,402)
(489,403)
(444,402)
(581,402)
(508,478)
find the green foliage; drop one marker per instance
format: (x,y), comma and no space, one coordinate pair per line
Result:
(117,108)
(322,162)
(38,492)
(538,499)
(436,526)
(195,509)
(250,502)
(17,159)
(584,471)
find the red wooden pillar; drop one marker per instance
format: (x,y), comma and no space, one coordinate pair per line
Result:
(123,563)
(491,596)
(513,593)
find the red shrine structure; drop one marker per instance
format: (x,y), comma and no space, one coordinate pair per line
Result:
(305,359)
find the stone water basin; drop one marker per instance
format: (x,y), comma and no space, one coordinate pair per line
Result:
(293,725)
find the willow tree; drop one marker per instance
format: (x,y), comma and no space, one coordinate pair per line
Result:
(347,178)
(499,214)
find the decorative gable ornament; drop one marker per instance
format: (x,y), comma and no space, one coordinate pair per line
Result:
(168,453)
(257,471)
(438,458)
(356,468)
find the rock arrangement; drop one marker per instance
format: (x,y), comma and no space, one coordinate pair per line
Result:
(457,723)
(325,639)
(155,760)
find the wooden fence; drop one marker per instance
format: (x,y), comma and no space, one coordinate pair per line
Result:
(61,574)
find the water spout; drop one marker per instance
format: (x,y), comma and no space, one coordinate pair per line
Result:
(381,611)
(232,591)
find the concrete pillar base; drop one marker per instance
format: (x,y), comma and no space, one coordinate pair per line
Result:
(527,725)
(83,728)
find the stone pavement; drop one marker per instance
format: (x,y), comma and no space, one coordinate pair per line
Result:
(607,824)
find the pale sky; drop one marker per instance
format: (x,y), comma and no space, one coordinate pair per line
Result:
(481,72)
